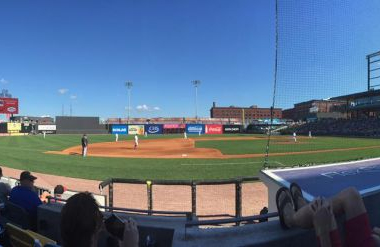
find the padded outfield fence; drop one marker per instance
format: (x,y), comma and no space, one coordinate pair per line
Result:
(203,198)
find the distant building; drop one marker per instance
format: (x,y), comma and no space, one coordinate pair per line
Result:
(316,109)
(249,113)
(33,120)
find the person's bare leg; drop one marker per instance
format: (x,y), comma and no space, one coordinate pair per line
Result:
(347,201)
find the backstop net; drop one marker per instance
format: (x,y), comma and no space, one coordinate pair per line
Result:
(327,69)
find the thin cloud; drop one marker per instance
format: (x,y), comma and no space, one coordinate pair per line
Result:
(3,81)
(145,108)
(63,90)
(73,97)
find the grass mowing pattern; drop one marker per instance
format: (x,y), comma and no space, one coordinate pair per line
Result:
(27,152)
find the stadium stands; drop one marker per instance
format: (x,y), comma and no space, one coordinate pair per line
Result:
(368,127)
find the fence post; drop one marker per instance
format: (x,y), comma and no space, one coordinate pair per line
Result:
(238,200)
(150,197)
(193,198)
(110,192)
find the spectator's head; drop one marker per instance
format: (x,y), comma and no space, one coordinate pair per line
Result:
(59,189)
(81,221)
(27,179)
(1,172)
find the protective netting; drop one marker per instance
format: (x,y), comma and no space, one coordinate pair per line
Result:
(171,198)
(321,56)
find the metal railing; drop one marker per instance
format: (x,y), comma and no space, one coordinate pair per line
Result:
(191,183)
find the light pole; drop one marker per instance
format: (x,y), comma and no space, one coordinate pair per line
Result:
(196,84)
(129,85)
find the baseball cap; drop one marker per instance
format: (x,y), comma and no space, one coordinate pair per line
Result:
(25,175)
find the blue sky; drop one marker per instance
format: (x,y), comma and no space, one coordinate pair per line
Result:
(91,47)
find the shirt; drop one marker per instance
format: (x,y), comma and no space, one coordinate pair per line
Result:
(25,198)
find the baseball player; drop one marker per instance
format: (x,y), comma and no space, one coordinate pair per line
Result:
(116,137)
(294,136)
(44,132)
(84,145)
(136,141)
(185,135)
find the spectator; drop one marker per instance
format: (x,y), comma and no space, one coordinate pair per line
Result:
(24,196)
(294,211)
(82,221)
(5,189)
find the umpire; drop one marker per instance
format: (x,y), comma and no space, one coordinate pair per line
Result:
(84,145)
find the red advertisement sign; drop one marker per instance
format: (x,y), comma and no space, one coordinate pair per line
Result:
(174,126)
(8,106)
(214,129)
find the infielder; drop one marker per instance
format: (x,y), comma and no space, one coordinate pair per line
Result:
(294,136)
(84,145)
(136,141)
(116,137)
(185,135)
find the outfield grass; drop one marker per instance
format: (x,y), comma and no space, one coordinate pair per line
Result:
(27,152)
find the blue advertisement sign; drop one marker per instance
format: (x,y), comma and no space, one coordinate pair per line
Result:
(119,129)
(195,128)
(152,129)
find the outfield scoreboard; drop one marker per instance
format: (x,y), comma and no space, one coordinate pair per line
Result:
(8,106)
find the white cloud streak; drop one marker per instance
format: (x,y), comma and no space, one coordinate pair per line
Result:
(145,108)
(63,90)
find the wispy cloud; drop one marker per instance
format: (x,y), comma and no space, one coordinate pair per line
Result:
(145,108)
(63,90)
(73,97)
(3,81)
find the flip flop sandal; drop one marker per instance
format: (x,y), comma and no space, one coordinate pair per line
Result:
(296,192)
(281,204)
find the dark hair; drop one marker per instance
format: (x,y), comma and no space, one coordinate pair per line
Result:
(59,189)
(1,171)
(80,220)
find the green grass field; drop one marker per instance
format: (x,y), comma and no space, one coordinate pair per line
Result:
(27,152)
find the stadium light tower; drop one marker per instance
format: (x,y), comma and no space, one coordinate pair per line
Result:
(129,85)
(196,84)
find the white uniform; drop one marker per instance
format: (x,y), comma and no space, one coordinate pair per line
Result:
(185,135)
(116,137)
(44,134)
(294,136)
(309,134)
(136,141)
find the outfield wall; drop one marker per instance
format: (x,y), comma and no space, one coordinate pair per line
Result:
(196,129)
(79,125)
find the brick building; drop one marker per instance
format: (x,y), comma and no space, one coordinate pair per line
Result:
(313,109)
(249,113)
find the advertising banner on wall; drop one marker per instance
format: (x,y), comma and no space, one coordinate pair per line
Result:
(135,129)
(214,129)
(230,129)
(121,129)
(13,127)
(174,126)
(8,106)
(49,129)
(152,129)
(195,128)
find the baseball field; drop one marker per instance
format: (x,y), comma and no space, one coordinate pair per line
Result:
(172,157)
